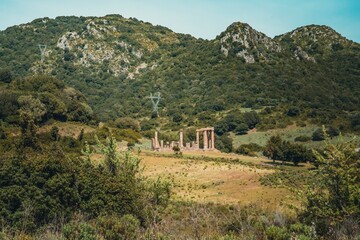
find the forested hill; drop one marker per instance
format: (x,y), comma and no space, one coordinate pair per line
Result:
(117,62)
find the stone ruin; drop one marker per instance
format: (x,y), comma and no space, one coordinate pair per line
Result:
(208,142)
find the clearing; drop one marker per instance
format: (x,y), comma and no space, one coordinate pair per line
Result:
(215,177)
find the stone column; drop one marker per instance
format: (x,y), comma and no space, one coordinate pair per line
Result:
(181,143)
(162,144)
(206,140)
(212,139)
(153,143)
(156,140)
(198,137)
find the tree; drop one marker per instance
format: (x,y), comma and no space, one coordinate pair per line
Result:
(31,108)
(54,133)
(295,153)
(251,119)
(334,196)
(224,143)
(277,149)
(5,75)
(111,155)
(31,111)
(273,148)
(241,129)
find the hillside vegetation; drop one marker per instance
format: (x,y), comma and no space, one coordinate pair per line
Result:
(117,62)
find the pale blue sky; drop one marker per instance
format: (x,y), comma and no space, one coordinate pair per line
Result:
(200,18)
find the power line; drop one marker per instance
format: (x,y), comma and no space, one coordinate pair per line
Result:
(42,51)
(155,99)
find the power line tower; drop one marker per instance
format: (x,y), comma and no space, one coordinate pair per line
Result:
(155,99)
(42,51)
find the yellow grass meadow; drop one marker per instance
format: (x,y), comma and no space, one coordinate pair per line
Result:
(215,182)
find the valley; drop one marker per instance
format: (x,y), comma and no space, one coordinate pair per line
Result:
(78,117)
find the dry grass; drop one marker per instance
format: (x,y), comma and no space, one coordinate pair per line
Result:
(211,181)
(69,129)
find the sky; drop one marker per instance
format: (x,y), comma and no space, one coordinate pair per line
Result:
(200,18)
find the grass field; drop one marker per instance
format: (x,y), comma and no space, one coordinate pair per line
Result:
(289,134)
(215,181)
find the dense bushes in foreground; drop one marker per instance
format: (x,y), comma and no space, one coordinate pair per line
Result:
(37,189)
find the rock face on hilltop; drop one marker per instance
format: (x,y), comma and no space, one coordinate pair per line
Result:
(313,41)
(245,42)
(116,62)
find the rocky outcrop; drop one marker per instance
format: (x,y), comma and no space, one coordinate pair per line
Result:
(245,42)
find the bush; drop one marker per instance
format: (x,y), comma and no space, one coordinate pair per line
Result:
(318,135)
(127,123)
(277,149)
(113,227)
(50,185)
(177,118)
(147,125)
(333,131)
(277,233)
(332,199)
(293,111)
(2,133)
(241,129)
(54,133)
(5,75)
(79,230)
(249,149)
(302,138)
(224,143)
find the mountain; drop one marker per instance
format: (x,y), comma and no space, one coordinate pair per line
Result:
(243,41)
(314,41)
(117,62)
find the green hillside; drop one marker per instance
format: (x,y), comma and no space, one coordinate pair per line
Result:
(117,62)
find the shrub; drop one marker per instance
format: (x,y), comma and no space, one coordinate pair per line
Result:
(113,227)
(293,111)
(277,149)
(318,135)
(241,129)
(302,138)
(224,143)
(333,131)
(177,117)
(277,233)
(127,123)
(2,133)
(79,230)
(5,75)
(333,197)
(54,133)
(148,125)
(249,149)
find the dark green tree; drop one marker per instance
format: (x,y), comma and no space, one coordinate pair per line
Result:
(318,135)
(241,129)
(273,148)
(5,75)
(54,133)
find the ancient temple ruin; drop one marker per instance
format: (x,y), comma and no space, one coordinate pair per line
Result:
(208,138)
